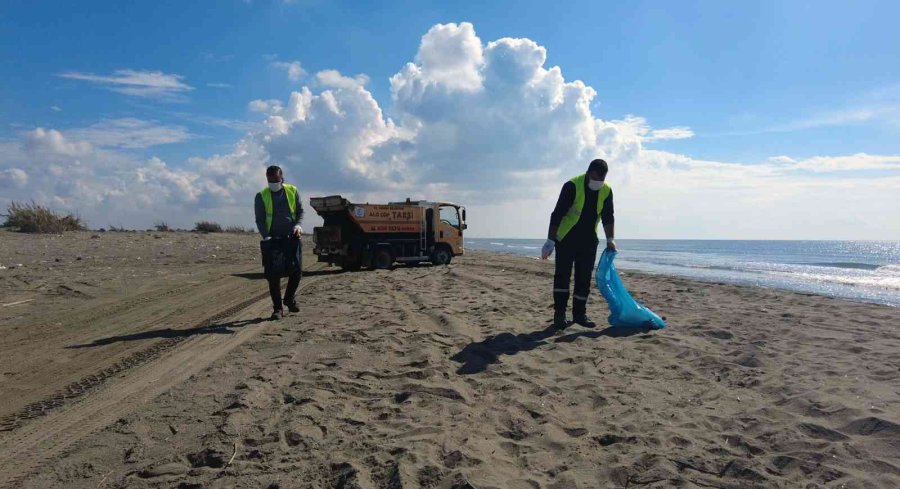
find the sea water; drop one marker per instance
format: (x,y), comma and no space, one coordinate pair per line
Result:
(866,271)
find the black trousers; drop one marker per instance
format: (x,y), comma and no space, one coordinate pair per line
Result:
(290,252)
(275,289)
(579,255)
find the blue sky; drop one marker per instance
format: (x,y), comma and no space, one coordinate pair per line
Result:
(751,81)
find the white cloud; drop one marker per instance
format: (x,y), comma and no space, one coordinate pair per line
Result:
(238,125)
(333,79)
(450,55)
(520,115)
(781,159)
(488,125)
(886,112)
(688,198)
(270,106)
(828,119)
(155,84)
(159,183)
(338,139)
(51,141)
(13,178)
(853,163)
(669,133)
(515,125)
(130,133)
(55,108)
(116,188)
(218,85)
(294,70)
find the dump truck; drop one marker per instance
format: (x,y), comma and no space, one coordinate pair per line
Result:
(380,235)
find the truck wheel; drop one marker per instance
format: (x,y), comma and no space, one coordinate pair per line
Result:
(441,256)
(383,259)
(350,264)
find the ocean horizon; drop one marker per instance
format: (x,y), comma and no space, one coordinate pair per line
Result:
(865,271)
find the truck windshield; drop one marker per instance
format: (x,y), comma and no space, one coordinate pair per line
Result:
(449,215)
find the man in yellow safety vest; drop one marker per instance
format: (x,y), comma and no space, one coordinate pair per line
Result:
(584,202)
(278,215)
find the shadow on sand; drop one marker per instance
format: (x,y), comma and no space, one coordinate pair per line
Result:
(311,273)
(476,357)
(221,328)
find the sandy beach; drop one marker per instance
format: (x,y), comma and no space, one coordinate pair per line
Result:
(141,360)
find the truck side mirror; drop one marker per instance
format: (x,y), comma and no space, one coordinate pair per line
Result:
(465,226)
(464,215)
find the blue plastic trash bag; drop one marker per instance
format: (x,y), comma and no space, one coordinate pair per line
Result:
(624,311)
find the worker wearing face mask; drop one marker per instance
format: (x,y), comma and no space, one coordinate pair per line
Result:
(278,215)
(584,202)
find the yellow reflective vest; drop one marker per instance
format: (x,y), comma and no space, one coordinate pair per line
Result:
(571,218)
(291,194)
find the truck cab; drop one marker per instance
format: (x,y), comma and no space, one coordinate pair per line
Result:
(445,223)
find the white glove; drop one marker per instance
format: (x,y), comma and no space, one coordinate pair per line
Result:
(266,238)
(547,249)
(298,229)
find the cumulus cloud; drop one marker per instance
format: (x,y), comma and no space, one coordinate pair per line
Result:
(512,114)
(450,55)
(334,79)
(60,172)
(480,122)
(270,106)
(338,139)
(292,68)
(112,187)
(153,84)
(486,124)
(51,141)
(13,178)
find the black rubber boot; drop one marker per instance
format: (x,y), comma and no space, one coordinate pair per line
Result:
(583,320)
(559,320)
(291,305)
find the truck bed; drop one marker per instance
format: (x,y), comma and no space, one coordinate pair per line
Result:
(330,204)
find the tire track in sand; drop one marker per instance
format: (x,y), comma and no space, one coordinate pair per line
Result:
(89,383)
(24,450)
(63,364)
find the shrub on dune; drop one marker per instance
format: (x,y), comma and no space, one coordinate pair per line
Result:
(208,227)
(238,230)
(35,218)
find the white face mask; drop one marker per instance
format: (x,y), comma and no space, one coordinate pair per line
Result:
(275,187)
(595,184)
